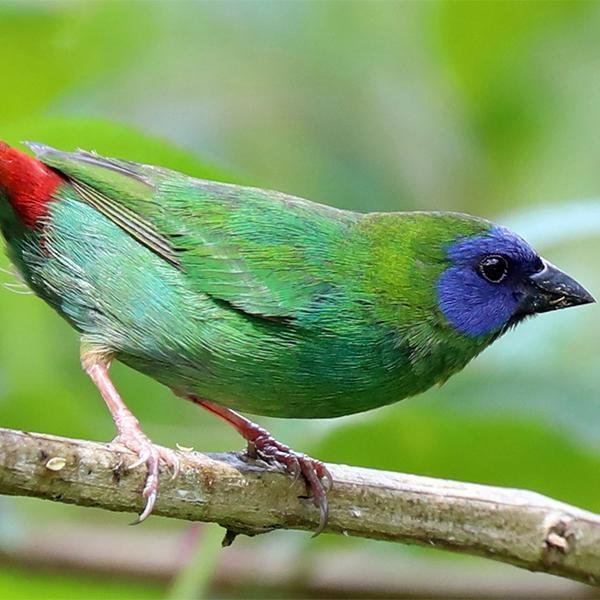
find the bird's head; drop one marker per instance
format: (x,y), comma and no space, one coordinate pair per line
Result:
(494,279)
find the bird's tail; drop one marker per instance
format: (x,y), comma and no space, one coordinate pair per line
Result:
(27,184)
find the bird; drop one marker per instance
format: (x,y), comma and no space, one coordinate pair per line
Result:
(243,299)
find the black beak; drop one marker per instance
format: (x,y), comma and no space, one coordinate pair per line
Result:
(552,289)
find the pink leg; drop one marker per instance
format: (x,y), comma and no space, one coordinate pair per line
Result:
(262,445)
(130,434)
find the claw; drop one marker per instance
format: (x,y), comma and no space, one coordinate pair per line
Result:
(171,459)
(176,467)
(142,458)
(323,507)
(326,475)
(296,473)
(148,508)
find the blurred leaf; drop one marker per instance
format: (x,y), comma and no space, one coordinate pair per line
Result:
(24,584)
(50,47)
(483,41)
(500,451)
(493,51)
(195,578)
(107,138)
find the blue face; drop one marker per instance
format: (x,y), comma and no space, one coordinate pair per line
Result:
(484,289)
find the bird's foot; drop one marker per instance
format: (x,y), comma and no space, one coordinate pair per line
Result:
(134,439)
(96,364)
(262,445)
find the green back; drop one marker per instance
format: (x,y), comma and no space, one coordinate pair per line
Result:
(261,251)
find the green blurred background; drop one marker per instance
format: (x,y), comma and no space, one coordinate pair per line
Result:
(485,107)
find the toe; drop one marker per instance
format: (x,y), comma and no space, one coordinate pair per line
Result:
(150,491)
(318,491)
(143,457)
(171,459)
(325,476)
(149,455)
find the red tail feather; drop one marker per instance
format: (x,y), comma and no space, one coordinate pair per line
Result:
(28,184)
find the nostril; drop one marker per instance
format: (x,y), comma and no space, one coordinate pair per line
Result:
(538,265)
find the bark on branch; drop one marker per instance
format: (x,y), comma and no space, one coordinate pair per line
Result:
(514,526)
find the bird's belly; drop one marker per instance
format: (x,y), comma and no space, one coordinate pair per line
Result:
(260,377)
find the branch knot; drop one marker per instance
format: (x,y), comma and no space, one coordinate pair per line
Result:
(559,539)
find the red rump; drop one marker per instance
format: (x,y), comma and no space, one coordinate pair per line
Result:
(28,183)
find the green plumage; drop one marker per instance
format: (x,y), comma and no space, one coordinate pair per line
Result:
(260,301)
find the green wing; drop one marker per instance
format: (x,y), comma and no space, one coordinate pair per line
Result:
(262,252)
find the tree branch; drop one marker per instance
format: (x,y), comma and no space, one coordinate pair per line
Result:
(514,526)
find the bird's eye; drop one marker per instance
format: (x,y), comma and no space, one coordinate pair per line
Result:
(493,268)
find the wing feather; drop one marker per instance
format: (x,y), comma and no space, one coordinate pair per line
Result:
(261,252)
